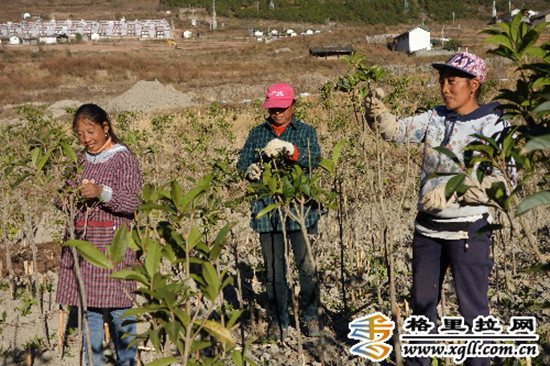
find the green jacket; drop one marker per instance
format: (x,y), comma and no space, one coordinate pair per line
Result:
(301,135)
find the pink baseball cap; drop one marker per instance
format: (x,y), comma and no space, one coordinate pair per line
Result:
(278,95)
(468,63)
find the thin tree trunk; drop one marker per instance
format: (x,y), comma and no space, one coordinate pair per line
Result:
(342,249)
(292,285)
(393,297)
(83,308)
(9,267)
(32,239)
(239,292)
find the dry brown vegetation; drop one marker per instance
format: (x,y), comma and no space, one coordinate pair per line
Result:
(226,57)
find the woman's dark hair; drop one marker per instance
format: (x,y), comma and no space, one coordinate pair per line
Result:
(96,114)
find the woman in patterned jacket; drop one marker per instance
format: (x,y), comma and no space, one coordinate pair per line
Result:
(446,229)
(109,185)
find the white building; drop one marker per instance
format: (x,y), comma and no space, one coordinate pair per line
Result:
(15,40)
(47,39)
(415,39)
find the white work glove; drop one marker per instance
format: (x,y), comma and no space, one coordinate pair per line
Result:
(253,172)
(379,117)
(278,147)
(477,193)
(435,199)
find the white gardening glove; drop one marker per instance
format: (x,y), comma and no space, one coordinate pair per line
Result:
(253,172)
(477,193)
(379,117)
(278,147)
(435,199)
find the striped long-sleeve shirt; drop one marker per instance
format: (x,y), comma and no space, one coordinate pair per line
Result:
(118,171)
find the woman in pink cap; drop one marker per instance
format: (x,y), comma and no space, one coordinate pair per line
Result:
(282,135)
(446,229)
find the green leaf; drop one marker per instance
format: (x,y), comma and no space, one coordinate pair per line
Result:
(68,151)
(267,209)
(288,189)
(220,239)
(195,237)
(35,155)
(536,51)
(453,184)
(43,160)
(541,82)
(152,259)
(217,330)
(488,149)
(337,151)
(537,143)
(154,206)
(90,253)
(166,361)
(127,274)
(118,248)
(173,329)
(233,317)
(327,164)
(499,39)
(177,195)
(148,192)
(543,107)
(202,186)
(515,25)
(211,279)
(198,345)
(237,357)
(446,151)
(535,200)
(182,316)
(136,311)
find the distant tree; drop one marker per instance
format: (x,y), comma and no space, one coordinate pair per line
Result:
(452,45)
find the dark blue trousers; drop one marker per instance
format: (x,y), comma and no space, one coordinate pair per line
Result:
(277,287)
(470,267)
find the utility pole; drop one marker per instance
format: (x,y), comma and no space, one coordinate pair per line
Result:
(214,22)
(271,4)
(406,7)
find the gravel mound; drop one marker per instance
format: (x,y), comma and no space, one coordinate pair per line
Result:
(59,108)
(147,96)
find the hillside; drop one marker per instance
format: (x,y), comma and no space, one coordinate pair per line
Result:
(359,11)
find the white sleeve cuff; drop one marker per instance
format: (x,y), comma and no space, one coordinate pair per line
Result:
(107,194)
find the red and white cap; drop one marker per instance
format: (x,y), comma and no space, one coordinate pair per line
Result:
(468,63)
(278,95)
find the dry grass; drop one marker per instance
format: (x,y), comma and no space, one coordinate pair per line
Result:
(223,57)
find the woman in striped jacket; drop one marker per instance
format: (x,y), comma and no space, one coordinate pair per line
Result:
(109,185)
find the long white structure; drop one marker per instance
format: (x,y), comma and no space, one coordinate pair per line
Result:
(151,28)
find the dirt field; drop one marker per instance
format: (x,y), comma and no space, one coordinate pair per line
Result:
(223,65)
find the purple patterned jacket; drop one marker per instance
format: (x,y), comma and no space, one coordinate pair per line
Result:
(118,171)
